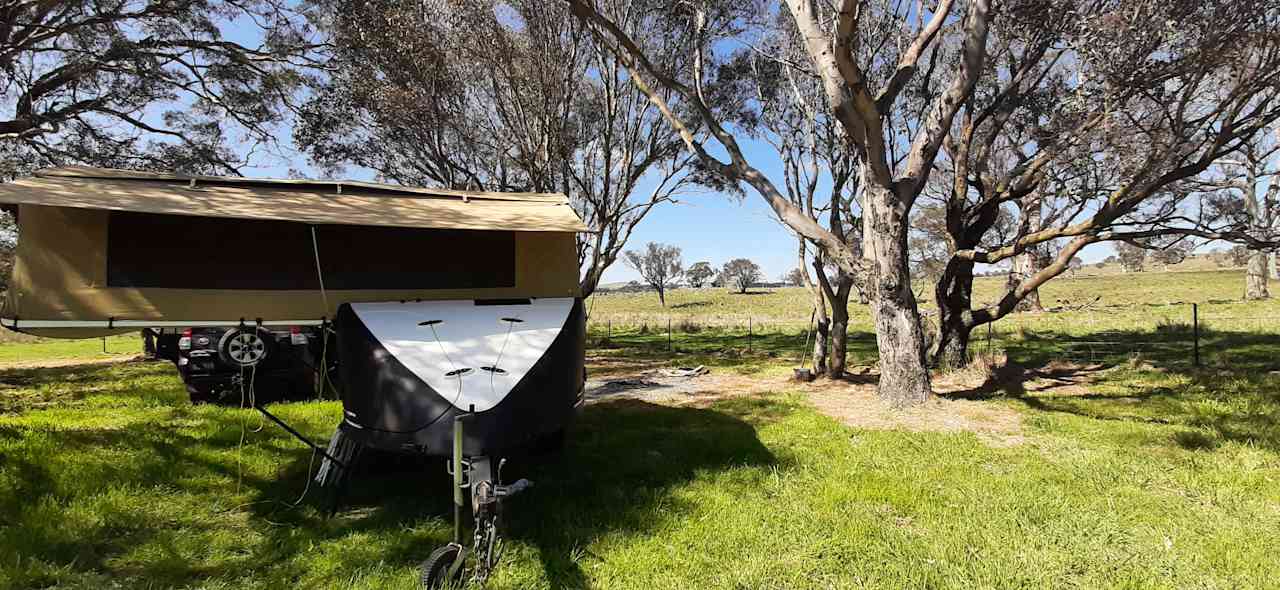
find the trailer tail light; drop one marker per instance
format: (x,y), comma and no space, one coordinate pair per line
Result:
(296,337)
(184,343)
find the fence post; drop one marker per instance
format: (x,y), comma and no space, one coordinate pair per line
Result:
(104,345)
(609,331)
(749,330)
(669,347)
(1195,332)
(990,353)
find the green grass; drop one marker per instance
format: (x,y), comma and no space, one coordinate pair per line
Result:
(1160,475)
(1113,301)
(1097,318)
(108,477)
(27,349)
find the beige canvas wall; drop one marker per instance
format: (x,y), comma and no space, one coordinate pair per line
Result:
(60,274)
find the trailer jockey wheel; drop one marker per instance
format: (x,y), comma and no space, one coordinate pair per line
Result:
(443,568)
(484,480)
(487,509)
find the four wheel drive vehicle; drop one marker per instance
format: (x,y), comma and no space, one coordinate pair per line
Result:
(246,364)
(160,345)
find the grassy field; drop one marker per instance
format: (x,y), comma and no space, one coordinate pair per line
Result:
(1155,475)
(1104,300)
(19,349)
(110,478)
(1109,315)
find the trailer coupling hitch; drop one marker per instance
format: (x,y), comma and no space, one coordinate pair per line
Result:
(516,487)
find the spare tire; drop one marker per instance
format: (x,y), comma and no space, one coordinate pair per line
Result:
(245,347)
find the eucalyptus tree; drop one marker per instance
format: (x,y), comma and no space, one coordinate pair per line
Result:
(147,84)
(793,277)
(512,96)
(819,175)
(1132,257)
(1093,120)
(659,265)
(1244,187)
(741,274)
(699,274)
(1108,103)
(895,155)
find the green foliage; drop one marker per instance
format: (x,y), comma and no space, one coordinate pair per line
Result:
(699,274)
(153,85)
(1132,256)
(741,274)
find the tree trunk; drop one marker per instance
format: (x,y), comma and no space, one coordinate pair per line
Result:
(823,324)
(595,270)
(1274,264)
(662,297)
(836,292)
(1030,261)
(823,328)
(821,333)
(1255,279)
(904,375)
(1025,265)
(836,361)
(954,296)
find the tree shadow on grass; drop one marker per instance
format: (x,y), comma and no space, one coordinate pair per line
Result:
(1169,347)
(690,304)
(1150,377)
(65,386)
(617,473)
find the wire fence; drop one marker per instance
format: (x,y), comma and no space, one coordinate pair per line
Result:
(1190,334)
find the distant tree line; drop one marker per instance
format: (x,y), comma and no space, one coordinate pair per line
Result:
(661,267)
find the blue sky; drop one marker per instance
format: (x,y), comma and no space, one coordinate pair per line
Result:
(706,225)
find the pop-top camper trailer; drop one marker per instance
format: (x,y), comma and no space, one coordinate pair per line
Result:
(458,320)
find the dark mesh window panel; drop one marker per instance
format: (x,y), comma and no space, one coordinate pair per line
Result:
(181,252)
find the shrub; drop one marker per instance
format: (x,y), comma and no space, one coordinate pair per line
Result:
(1172,327)
(688,326)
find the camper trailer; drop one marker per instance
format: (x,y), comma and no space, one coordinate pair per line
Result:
(455,316)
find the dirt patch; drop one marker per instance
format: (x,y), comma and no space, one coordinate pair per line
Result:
(858,405)
(605,365)
(68,362)
(656,386)
(853,401)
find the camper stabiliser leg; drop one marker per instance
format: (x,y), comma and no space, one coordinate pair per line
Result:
(444,567)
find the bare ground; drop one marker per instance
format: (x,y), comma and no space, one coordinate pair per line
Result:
(962,404)
(68,362)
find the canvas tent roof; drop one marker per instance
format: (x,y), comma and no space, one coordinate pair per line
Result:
(212,251)
(306,201)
